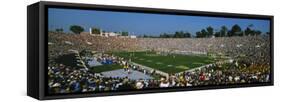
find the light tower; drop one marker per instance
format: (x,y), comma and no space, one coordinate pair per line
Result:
(90,30)
(100,32)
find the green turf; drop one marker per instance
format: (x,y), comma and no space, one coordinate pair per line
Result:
(167,63)
(103,68)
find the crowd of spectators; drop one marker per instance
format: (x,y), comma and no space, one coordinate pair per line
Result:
(251,62)
(257,48)
(63,79)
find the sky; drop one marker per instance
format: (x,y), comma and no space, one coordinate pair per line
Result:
(143,23)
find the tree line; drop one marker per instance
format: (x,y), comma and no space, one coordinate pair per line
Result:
(209,31)
(235,30)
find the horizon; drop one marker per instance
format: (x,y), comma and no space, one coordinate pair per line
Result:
(144,23)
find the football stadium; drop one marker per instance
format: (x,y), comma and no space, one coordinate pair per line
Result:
(95,60)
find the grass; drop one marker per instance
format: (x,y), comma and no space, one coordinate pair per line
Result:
(167,63)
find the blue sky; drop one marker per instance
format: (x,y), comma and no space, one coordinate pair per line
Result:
(143,23)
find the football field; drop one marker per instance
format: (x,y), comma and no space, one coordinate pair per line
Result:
(170,63)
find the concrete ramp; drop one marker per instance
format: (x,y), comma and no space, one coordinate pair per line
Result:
(134,75)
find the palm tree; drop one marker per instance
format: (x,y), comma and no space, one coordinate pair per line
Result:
(223,31)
